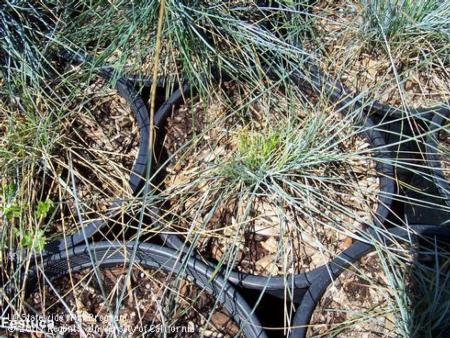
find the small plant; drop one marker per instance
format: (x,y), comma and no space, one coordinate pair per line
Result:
(43,208)
(9,207)
(12,211)
(8,191)
(258,153)
(292,146)
(256,149)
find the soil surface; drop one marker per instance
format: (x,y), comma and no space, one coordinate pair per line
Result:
(151,298)
(355,305)
(100,146)
(259,233)
(371,71)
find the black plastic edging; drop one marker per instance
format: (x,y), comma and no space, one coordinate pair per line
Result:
(434,159)
(105,254)
(350,256)
(126,90)
(277,285)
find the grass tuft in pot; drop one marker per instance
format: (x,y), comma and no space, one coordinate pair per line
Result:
(388,293)
(196,37)
(272,186)
(391,51)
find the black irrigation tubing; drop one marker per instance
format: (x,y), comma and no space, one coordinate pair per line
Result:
(277,285)
(350,256)
(434,159)
(126,90)
(150,256)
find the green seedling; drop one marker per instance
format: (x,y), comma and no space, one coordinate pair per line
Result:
(257,149)
(43,208)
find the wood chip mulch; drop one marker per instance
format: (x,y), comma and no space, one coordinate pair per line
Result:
(356,305)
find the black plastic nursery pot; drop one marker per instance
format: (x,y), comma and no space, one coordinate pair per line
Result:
(154,257)
(319,82)
(433,157)
(90,227)
(312,78)
(278,285)
(419,200)
(353,254)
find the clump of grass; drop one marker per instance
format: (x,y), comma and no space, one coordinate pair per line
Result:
(30,127)
(405,21)
(384,50)
(196,36)
(30,124)
(420,296)
(269,169)
(394,18)
(291,147)
(256,149)
(27,33)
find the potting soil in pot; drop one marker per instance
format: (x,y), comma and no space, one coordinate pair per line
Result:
(154,304)
(94,159)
